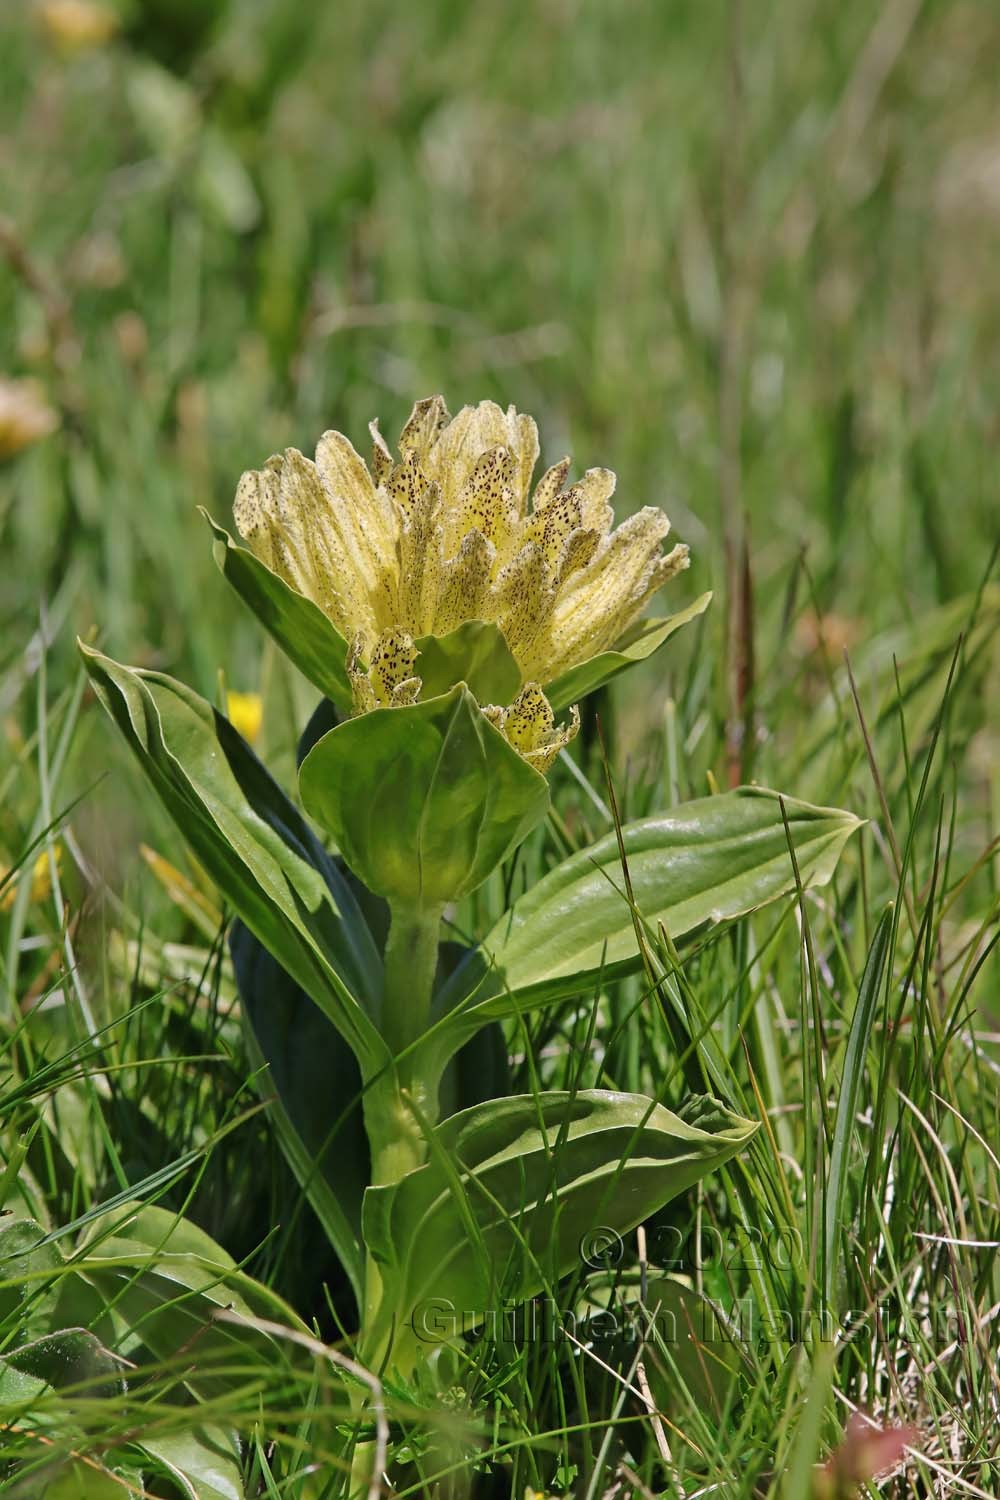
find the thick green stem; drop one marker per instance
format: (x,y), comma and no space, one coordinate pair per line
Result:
(394,1131)
(411,956)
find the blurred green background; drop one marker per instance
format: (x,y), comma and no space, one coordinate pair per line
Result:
(744,255)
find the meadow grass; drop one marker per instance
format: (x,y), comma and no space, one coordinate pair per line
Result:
(742,256)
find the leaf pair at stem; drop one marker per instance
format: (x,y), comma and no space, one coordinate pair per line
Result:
(386,1033)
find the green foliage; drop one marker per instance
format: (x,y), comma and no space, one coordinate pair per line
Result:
(313,1087)
(153,1284)
(851,1081)
(475,654)
(514,1187)
(706,862)
(252,841)
(423,802)
(461,801)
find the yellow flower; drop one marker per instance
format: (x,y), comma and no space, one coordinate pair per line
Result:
(41,880)
(25,415)
(447,534)
(75,25)
(452,531)
(246,714)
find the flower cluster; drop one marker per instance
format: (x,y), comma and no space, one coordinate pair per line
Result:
(450,531)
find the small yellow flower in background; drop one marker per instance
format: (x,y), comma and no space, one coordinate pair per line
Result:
(41,880)
(452,531)
(25,415)
(246,714)
(75,25)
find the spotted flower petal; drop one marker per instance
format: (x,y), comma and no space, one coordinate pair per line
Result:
(389,681)
(529,726)
(449,532)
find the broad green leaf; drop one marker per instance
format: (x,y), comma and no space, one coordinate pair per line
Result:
(69,1357)
(78,1479)
(475,654)
(423,801)
(172,1316)
(27,1261)
(513,1186)
(157,1229)
(173,1241)
(298,625)
(314,1091)
(703,862)
(204,1462)
(253,842)
(168,1281)
(647,637)
(19,1389)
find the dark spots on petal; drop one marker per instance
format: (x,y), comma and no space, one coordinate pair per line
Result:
(550,484)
